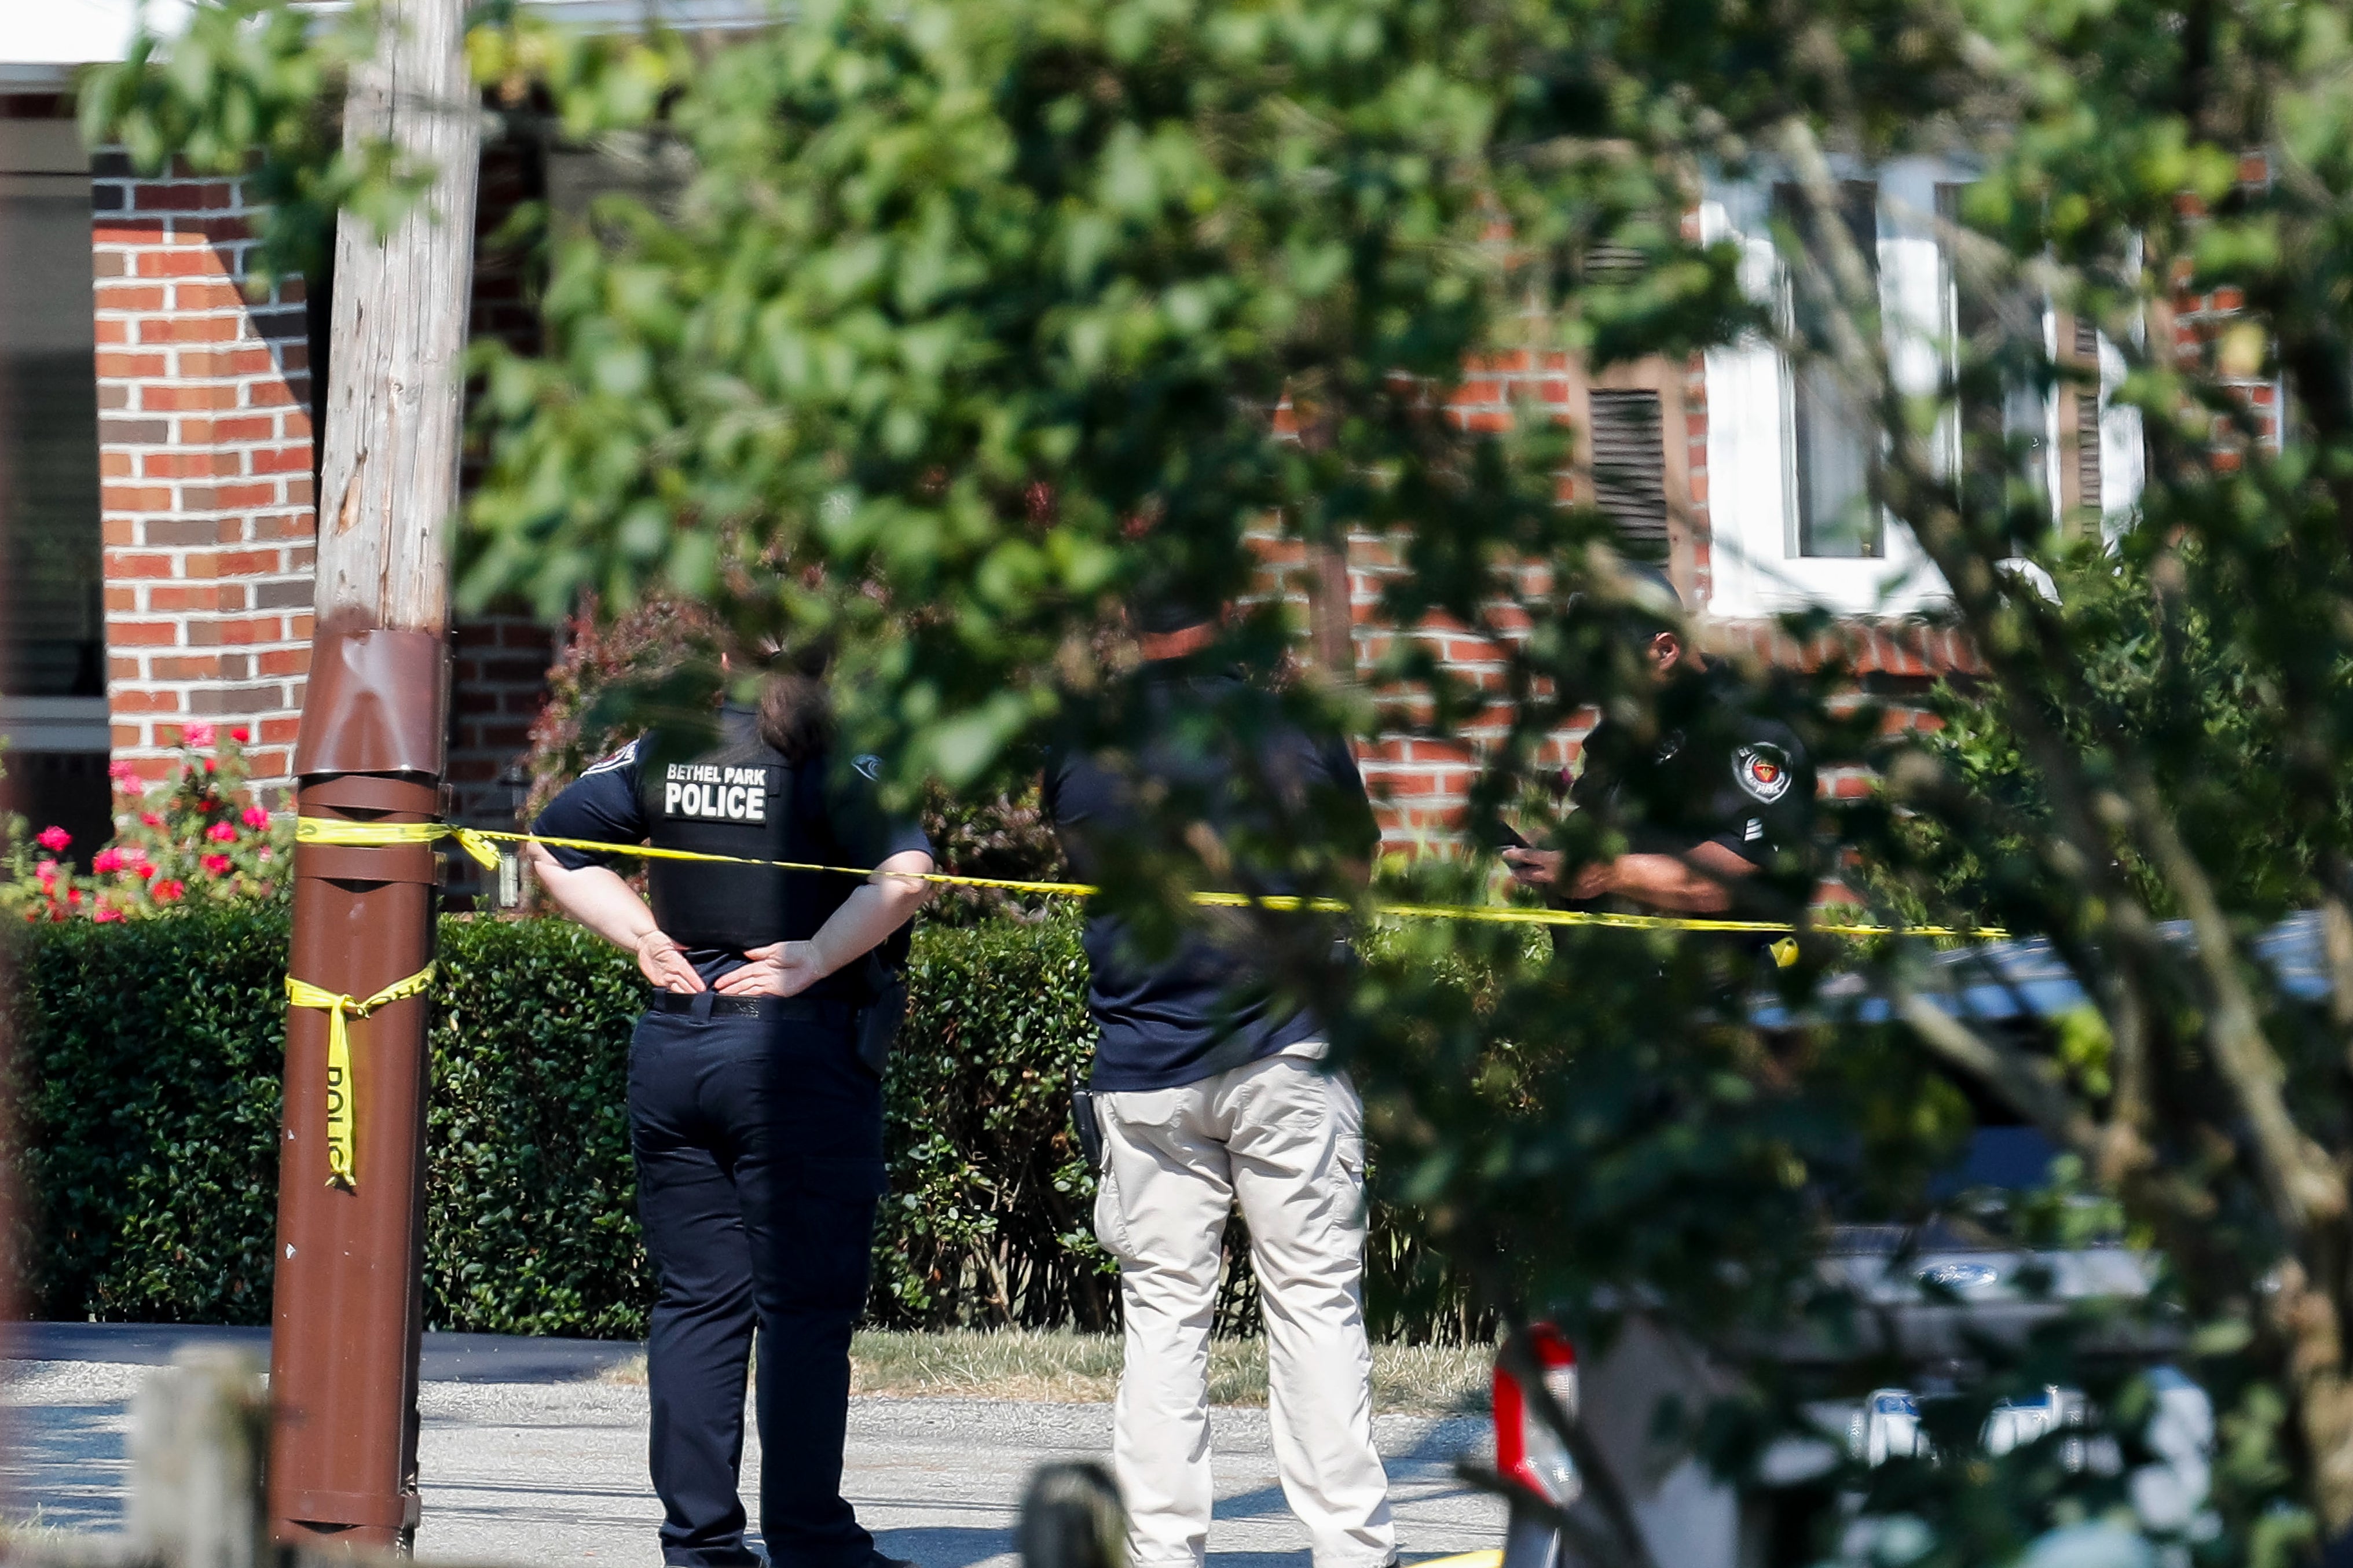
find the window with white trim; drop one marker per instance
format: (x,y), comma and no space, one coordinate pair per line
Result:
(1788,457)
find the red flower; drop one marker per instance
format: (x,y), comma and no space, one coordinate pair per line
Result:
(146,870)
(220,833)
(150,820)
(240,734)
(73,895)
(107,859)
(103,914)
(215,864)
(195,734)
(210,764)
(169,890)
(255,818)
(54,838)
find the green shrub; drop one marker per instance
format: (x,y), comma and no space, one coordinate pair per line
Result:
(531,1222)
(989,1216)
(148,1057)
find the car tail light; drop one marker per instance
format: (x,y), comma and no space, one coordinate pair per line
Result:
(1526,1447)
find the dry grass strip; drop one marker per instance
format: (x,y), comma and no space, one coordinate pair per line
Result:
(1071,1368)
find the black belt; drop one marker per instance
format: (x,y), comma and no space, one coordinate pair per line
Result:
(786,1009)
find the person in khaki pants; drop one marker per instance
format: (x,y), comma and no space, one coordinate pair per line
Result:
(1210,1091)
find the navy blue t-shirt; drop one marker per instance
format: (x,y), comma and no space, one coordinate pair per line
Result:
(607,804)
(1208,1006)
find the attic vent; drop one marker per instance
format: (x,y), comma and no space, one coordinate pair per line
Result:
(1614,264)
(1630,463)
(2087,419)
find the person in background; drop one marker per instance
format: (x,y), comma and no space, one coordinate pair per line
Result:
(756,1125)
(1208,1088)
(1714,803)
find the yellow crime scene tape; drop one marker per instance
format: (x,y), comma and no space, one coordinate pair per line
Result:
(343,1102)
(482,843)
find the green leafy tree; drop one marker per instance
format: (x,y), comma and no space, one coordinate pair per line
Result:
(964,321)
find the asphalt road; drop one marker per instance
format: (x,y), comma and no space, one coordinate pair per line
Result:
(526,1458)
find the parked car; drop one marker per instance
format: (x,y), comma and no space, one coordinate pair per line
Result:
(1934,1297)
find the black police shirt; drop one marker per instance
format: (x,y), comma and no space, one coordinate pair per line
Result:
(830,818)
(1206,1007)
(1713,771)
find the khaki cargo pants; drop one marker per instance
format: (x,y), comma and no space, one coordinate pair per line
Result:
(1287,1141)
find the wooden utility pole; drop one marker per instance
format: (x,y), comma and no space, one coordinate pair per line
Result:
(350,1291)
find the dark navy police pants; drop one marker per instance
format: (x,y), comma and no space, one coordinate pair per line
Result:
(759,1152)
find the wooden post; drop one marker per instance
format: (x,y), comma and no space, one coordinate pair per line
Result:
(349,1293)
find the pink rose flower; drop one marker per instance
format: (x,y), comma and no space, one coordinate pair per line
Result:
(255,818)
(124,774)
(195,734)
(220,833)
(47,872)
(54,838)
(240,734)
(215,864)
(107,859)
(169,890)
(103,914)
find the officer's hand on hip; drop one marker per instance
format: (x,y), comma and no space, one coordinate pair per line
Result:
(659,961)
(779,969)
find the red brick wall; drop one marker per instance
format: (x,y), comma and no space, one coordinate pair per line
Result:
(497,680)
(205,453)
(1420,786)
(205,449)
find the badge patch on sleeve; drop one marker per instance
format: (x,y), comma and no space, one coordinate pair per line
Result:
(869,766)
(706,792)
(620,759)
(1762,770)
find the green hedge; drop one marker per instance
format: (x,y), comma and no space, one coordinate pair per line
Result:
(147,1066)
(147,1059)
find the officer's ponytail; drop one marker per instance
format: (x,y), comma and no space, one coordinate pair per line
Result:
(796,713)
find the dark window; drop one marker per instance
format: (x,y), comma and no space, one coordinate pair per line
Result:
(2003,404)
(1836,442)
(1630,463)
(53,605)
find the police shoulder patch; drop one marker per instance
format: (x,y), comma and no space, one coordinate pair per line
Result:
(620,759)
(1762,770)
(869,766)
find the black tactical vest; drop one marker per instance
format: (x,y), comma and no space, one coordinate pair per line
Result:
(735,800)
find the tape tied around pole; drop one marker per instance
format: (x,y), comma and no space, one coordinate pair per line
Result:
(482,843)
(342,1100)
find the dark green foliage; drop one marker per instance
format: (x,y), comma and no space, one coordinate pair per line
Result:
(989,1215)
(2154,675)
(529,1194)
(149,1059)
(148,1056)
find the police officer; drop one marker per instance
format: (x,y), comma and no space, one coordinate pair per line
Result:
(1710,806)
(756,1125)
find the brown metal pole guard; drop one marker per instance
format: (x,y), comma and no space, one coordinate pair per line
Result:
(349,1309)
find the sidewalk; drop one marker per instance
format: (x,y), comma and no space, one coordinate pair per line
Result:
(526,1458)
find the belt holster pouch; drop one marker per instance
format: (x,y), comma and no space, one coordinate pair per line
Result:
(879,1021)
(1089,1127)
